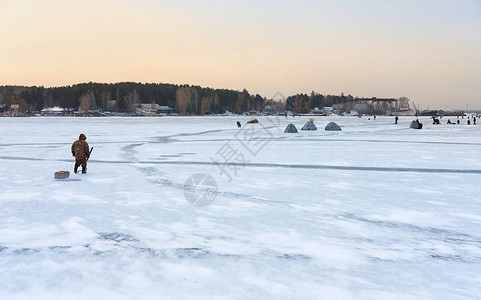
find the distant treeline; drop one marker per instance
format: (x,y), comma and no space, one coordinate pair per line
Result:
(184,99)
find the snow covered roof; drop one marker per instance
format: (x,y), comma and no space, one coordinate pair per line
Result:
(149,105)
(155,107)
(53,109)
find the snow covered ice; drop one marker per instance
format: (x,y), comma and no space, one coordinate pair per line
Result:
(375,211)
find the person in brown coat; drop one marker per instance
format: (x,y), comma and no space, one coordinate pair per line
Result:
(80,149)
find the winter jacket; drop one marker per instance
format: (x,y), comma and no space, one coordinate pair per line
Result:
(80,148)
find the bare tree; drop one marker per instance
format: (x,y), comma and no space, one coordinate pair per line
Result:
(181,100)
(85,103)
(188,100)
(132,100)
(208,102)
(104,98)
(205,104)
(240,104)
(194,100)
(403,102)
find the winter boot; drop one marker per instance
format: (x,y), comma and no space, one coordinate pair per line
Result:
(84,170)
(75,169)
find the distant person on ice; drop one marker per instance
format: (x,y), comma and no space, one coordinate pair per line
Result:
(80,149)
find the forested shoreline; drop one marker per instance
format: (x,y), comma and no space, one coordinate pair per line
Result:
(184,99)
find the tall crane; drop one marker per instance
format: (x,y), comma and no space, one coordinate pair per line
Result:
(416,109)
(95,102)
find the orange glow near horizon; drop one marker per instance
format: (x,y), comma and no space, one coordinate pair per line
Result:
(430,53)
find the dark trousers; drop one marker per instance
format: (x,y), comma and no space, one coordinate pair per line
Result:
(81,162)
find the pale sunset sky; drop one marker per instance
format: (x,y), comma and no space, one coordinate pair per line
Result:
(426,50)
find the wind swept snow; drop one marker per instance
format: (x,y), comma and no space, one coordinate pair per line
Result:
(376,210)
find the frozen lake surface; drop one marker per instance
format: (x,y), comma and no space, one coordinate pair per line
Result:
(376,211)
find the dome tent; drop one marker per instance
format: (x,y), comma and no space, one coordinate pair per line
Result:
(291,128)
(309,125)
(332,126)
(416,125)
